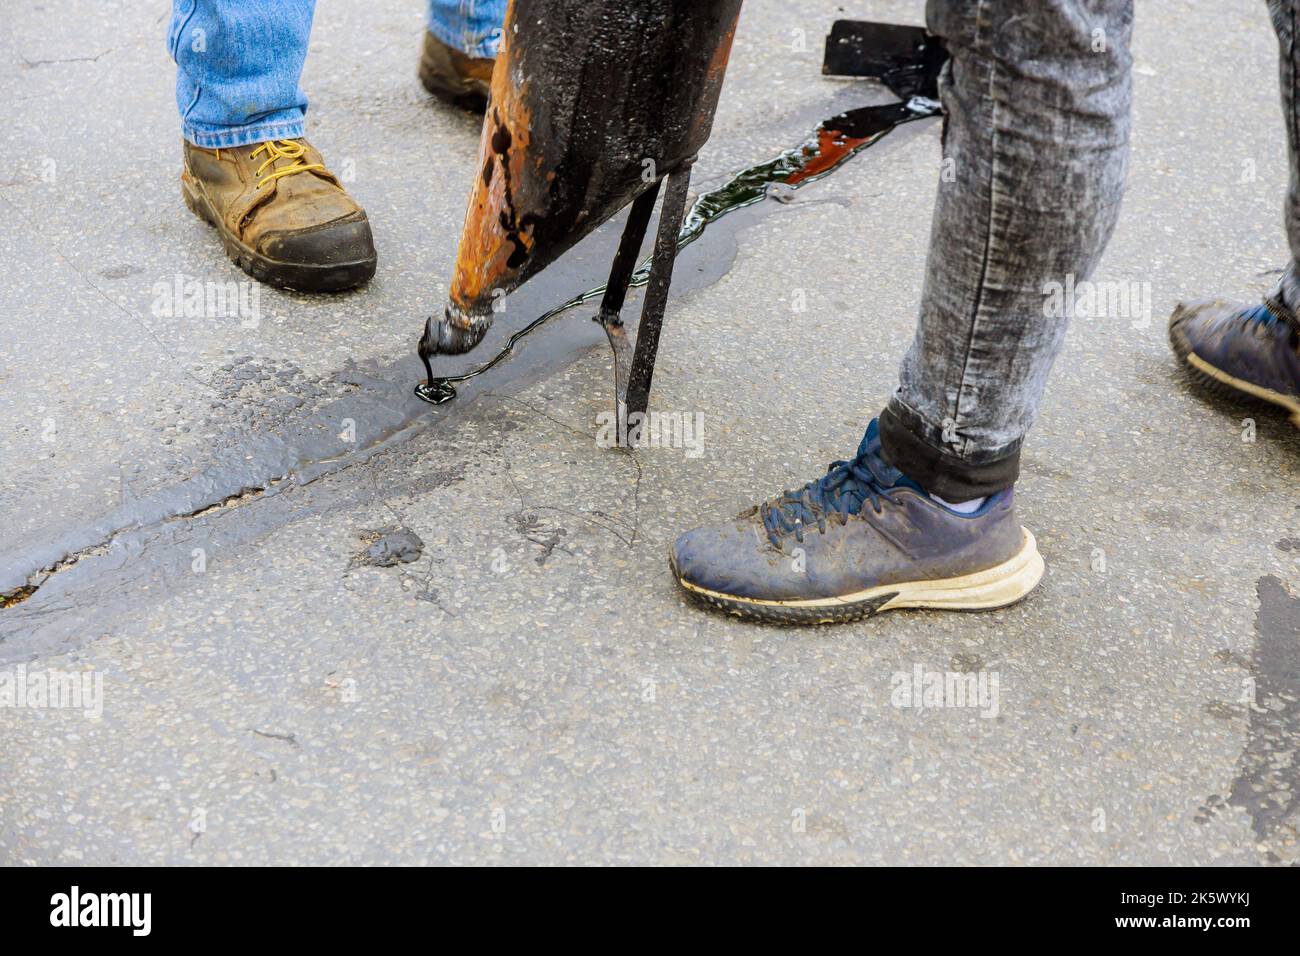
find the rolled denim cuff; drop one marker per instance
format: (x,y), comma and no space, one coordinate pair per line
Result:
(477,43)
(1288,288)
(228,137)
(916,448)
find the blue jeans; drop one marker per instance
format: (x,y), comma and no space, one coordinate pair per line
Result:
(238,62)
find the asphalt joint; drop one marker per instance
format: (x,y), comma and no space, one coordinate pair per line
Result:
(38,579)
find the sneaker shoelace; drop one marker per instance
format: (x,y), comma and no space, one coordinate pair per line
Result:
(844,490)
(1264,318)
(281,149)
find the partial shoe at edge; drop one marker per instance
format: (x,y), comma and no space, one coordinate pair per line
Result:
(1241,351)
(453,76)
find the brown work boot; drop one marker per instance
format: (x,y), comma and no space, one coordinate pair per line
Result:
(283,217)
(449,74)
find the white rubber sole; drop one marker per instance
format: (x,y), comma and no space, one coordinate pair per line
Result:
(1250,388)
(994,587)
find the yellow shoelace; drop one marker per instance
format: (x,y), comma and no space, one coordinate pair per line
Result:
(282,149)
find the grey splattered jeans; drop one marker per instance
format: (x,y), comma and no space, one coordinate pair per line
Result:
(1037,100)
(1035,149)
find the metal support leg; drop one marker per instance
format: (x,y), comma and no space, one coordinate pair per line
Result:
(634,401)
(629,253)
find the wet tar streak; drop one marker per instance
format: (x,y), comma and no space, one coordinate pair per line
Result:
(828,147)
(1267,785)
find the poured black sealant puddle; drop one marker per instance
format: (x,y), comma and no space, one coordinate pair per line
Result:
(832,143)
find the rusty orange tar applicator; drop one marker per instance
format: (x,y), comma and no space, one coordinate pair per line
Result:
(594,104)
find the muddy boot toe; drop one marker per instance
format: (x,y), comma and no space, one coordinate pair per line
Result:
(283,217)
(453,76)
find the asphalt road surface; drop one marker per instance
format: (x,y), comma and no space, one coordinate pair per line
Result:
(204,500)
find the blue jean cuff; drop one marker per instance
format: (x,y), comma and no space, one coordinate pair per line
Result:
(480,45)
(228,137)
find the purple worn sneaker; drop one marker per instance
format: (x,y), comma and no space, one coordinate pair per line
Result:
(1240,350)
(860,540)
